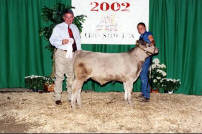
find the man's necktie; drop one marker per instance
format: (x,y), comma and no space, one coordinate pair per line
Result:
(71,36)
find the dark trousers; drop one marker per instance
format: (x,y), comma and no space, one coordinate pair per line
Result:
(145,87)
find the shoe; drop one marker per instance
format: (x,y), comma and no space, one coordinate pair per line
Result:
(58,102)
(145,100)
(140,96)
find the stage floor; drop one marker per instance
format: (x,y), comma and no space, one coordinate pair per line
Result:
(100,112)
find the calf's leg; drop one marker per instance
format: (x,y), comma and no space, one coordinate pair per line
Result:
(128,86)
(76,91)
(126,93)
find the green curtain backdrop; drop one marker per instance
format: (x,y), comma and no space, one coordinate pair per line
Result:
(22,51)
(175,24)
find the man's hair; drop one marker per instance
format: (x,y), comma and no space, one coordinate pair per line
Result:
(68,11)
(141,23)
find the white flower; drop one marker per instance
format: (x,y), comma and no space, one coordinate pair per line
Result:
(153,65)
(156,61)
(32,76)
(169,79)
(27,77)
(158,78)
(158,65)
(154,80)
(160,71)
(164,73)
(163,65)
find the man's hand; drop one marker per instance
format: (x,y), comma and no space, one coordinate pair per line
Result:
(65,41)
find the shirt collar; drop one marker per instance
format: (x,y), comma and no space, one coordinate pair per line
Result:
(65,24)
(143,33)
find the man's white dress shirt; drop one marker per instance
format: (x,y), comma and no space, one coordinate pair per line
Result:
(60,32)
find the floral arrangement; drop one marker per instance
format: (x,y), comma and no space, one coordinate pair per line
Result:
(170,84)
(36,83)
(157,73)
(158,78)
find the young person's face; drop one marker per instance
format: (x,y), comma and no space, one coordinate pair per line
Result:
(68,18)
(141,29)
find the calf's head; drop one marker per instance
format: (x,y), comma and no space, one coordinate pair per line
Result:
(150,50)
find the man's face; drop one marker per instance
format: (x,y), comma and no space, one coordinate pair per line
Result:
(68,18)
(141,29)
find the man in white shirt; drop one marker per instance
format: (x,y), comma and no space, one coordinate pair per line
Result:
(66,38)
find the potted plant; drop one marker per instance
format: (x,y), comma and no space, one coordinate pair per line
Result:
(156,74)
(49,84)
(39,83)
(35,82)
(170,85)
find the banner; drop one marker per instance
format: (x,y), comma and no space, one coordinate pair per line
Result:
(111,21)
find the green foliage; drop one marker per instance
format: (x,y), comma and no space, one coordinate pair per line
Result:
(170,84)
(53,16)
(78,20)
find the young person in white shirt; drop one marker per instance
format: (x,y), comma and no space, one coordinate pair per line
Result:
(66,38)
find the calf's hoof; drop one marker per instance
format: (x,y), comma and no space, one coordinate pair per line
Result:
(69,97)
(130,102)
(73,106)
